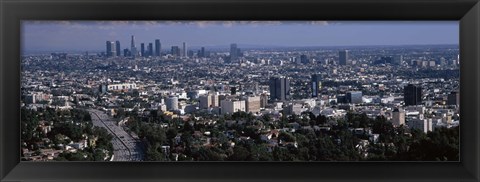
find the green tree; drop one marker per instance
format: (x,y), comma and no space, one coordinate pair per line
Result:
(240,153)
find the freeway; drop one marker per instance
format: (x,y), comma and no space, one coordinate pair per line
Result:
(126,147)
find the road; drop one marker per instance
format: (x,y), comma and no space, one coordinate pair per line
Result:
(126,147)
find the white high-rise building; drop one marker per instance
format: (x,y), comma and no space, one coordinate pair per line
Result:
(229,106)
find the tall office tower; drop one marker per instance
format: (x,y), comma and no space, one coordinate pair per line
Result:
(316,84)
(398,117)
(202,52)
(208,101)
(354,97)
(343,57)
(132,42)
(150,49)
(118,50)
(184,50)
(204,102)
(114,49)
(126,53)
(142,49)
(172,103)
(175,51)
(133,49)
(157,47)
(412,95)
(111,50)
(233,52)
(279,88)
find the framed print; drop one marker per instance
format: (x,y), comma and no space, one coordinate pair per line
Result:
(239,90)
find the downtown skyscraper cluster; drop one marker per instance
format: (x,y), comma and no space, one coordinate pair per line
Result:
(113,49)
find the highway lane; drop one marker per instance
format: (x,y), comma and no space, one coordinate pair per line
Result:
(126,147)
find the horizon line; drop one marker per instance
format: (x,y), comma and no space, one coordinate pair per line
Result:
(225,46)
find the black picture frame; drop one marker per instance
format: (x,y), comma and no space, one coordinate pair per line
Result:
(13,11)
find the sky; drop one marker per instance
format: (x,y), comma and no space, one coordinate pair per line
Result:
(92,35)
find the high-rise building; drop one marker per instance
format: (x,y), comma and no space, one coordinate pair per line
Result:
(316,84)
(132,42)
(263,100)
(253,104)
(279,88)
(126,53)
(184,50)
(304,59)
(204,102)
(172,103)
(203,52)
(412,95)
(233,52)
(175,51)
(229,106)
(118,49)
(111,50)
(150,49)
(133,49)
(142,49)
(343,57)
(207,101)
(158,47)
(354,97)
(398,117)
(215,100)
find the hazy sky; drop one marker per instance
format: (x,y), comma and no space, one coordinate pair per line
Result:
(91,35)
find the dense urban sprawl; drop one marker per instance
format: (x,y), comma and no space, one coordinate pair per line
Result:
(251,104)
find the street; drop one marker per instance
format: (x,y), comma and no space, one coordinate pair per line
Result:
(125,146)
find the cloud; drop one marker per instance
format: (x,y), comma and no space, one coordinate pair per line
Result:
(319,22)
(109,25)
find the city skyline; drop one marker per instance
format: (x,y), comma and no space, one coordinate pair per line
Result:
(58,35)
(150,95)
